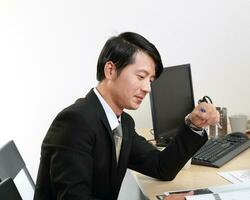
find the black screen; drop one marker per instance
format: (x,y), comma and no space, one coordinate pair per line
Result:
(171,100)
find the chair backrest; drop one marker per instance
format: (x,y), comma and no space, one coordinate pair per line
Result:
(8,190)
(11,163)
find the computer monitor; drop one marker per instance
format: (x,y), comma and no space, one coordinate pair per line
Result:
(171,99)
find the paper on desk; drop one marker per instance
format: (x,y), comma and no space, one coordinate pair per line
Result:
(239,176)
(240,195)
(235,195)
(230,187)
(200,197)
(238,191)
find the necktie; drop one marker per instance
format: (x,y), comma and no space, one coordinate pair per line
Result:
(118,140)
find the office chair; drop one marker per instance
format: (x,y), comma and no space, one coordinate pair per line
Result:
(11,163)
(8,190)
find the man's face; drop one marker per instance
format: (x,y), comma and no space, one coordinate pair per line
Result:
(133,83)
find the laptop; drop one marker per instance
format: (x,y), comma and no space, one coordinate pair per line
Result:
(8,190)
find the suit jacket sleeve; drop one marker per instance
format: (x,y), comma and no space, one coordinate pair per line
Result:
(165,165)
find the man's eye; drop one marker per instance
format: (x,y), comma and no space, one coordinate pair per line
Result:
(140,76)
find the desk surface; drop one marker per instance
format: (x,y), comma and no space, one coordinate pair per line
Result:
(194,177)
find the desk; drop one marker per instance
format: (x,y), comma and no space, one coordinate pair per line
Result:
(194,177)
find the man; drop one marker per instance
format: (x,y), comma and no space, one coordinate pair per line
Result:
(84,156)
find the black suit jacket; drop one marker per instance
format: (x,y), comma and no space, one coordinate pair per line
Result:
(78,158)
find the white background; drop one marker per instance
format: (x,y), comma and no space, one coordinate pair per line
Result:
(49,51)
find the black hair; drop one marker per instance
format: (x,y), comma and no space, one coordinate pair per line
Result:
(121,50)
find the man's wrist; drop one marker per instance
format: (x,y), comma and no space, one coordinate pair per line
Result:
(192,126)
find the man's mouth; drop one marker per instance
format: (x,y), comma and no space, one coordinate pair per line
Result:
(140,98)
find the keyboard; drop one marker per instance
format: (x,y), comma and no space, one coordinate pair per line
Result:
(218,151)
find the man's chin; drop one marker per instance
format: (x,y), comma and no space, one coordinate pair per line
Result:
(135,106)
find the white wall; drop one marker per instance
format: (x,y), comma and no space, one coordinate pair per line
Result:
(49,50)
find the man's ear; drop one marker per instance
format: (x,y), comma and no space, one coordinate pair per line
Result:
(109,70)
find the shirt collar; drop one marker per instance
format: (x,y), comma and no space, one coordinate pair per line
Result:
(112,118)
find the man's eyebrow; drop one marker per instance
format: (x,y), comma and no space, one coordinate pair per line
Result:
(144,71)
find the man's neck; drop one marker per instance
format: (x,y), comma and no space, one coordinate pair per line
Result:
(104,92)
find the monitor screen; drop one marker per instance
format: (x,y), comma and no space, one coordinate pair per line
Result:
(171,99)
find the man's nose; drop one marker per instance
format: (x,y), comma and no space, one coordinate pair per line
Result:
(146,87)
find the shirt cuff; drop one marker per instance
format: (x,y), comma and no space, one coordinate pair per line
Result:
(201,133)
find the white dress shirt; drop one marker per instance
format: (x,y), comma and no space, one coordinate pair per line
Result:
(112,118)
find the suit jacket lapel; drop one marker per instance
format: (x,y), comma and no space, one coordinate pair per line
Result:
(97,106)
(91,96)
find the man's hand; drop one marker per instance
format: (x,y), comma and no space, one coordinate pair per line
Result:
(204,114)
(180,196)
